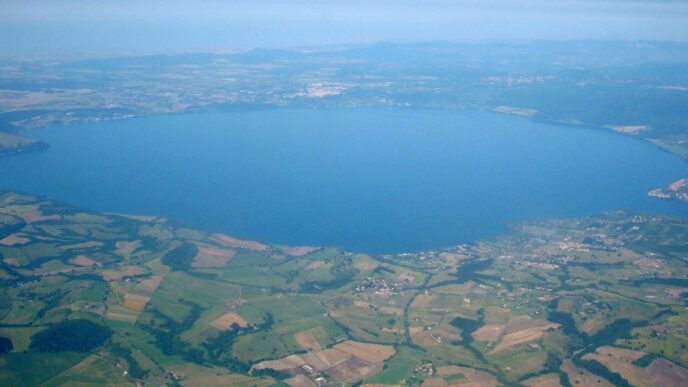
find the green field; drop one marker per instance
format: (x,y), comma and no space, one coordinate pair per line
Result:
(509,309)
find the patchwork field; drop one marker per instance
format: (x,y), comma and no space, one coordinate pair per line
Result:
(226,321)
(660,372)
(521,330)
(346,362)
(552,303)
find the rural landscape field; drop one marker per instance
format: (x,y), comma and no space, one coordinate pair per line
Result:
(323,193)
(126,299)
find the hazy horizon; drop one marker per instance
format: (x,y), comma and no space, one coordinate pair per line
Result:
(64,28)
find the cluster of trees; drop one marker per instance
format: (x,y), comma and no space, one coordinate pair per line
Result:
(467,327)
(671,281)
(70,336)
(220,348)
(269,372)
(180,258)
(5,345)
(167,335)
(135,370)
(598,368)
(51,301)
(10,226)
(646,360)
(467,271)
(577,339)
(584,343)
(342,274)
(552,365)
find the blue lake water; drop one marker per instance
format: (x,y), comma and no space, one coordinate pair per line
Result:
(371,180)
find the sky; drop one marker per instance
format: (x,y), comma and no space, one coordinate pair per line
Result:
(103,27)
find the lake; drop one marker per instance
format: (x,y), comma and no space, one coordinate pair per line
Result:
(370,180)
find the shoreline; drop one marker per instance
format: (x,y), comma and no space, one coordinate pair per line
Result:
(478,114)
(496,109)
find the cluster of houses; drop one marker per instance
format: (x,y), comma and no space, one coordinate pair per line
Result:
(315,375)
(426,369)
(380,286)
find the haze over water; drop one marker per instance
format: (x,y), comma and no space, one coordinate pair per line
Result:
(370,180)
